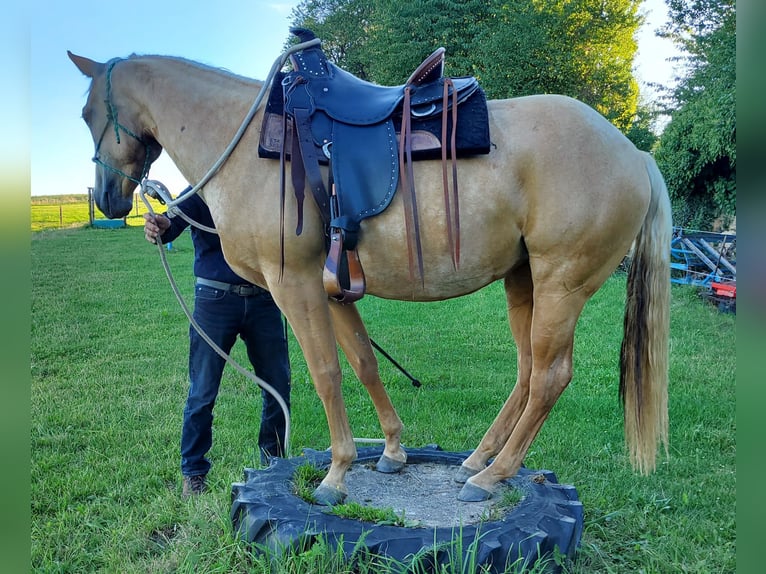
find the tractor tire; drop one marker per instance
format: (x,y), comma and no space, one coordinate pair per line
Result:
(266,512)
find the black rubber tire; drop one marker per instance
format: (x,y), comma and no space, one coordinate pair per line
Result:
(266,512)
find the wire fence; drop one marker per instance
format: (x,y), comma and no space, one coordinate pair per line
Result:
(60,212)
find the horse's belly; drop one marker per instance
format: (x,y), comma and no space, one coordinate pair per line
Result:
(428,290)
(391,273)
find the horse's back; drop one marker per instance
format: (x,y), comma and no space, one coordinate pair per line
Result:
(585,184)
(560,183)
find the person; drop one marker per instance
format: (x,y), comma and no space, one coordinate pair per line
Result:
(225,306)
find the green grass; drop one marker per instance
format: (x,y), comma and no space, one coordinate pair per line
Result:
(305,480)
(68,211)
(108,366)
(380,516)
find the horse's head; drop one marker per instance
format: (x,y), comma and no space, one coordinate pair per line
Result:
(125,147)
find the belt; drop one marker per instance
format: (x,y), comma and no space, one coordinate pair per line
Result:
(244,290)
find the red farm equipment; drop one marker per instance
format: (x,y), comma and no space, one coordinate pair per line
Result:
(706,260)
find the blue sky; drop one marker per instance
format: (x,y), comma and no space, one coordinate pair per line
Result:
(244,36)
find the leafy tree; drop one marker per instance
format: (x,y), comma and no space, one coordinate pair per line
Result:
(343,27)
(581,48)
(385,40)
(408,30)
(641,131)
(697,151)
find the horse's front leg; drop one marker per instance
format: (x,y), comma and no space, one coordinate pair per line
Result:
(307,311)
(355,342)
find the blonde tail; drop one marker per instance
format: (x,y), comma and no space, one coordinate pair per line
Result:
(644,353)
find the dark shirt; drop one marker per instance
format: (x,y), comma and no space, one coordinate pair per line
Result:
(208,256)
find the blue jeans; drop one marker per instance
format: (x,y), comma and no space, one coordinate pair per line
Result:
(258,322)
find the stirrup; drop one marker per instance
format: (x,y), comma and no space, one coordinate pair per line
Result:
(334,265)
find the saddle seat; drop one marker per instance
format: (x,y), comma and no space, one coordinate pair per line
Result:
(349,99)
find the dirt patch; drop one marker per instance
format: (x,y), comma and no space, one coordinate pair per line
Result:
(423,492)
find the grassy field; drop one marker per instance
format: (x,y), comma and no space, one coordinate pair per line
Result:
(108,359)
(65,211)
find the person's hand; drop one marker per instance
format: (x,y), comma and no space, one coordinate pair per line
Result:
(154,226)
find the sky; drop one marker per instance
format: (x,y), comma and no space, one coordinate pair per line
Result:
(243,36)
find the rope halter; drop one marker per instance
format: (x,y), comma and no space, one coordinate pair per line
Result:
(111,115)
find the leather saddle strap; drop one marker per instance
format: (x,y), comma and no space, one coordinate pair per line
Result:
(445,179)
(411,219)
(453,220)
(282,198)
(453,153)
(297,172)
(310,162)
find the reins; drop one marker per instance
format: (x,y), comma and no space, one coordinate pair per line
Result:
(228,358)
(276,66)
(160,192)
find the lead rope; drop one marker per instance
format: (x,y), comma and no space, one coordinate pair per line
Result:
(275,67)
(228,358)
(164,197)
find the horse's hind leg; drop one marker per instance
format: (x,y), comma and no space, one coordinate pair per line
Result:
(552,339)
(353,339)
(519,293)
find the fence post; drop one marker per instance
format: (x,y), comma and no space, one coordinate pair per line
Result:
(91,214)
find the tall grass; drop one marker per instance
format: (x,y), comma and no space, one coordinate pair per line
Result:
(109,356)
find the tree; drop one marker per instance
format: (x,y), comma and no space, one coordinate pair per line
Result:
(697,151)
(641,131)
(580,48)
(408,30)
(343,26)
(384,40)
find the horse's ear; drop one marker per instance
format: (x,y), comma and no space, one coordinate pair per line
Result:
(86,66)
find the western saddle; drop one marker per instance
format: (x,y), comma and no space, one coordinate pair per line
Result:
(369,135)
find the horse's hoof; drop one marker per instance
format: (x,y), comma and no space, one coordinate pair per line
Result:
(328,495)
(388,465)
(472,493)
(463,474)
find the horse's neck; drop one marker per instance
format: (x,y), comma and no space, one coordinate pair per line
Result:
(195,111)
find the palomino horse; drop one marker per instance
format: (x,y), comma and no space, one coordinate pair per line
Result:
(551,211)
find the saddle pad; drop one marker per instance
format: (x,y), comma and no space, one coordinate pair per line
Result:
(472,136)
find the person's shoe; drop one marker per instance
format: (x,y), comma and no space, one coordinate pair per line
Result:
(194,485)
